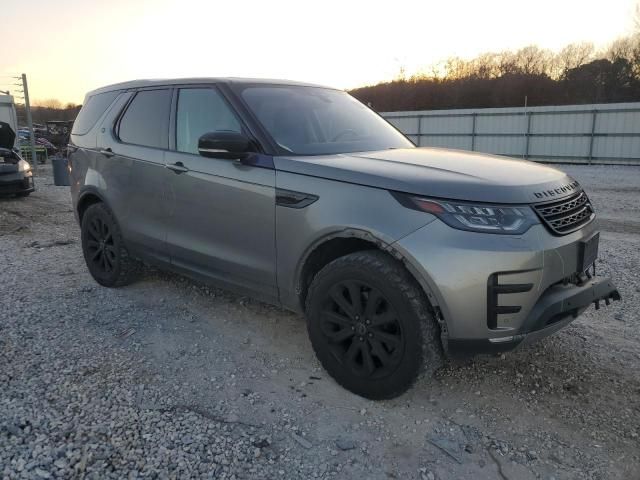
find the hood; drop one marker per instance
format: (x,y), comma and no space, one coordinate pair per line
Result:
(441,173)
(7,136)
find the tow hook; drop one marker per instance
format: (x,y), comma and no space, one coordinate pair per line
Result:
(615,296)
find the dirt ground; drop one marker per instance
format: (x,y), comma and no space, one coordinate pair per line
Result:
(168,378)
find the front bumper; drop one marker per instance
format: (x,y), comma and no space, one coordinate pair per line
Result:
(556,308)
(15,183)
(535,274)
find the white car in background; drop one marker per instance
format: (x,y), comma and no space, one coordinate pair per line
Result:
(16,177)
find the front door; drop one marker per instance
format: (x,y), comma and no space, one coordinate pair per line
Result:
(221,213)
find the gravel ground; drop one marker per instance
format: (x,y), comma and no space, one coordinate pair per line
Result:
(171,379)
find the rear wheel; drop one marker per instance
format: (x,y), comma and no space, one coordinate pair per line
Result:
(370,325)
(104,252)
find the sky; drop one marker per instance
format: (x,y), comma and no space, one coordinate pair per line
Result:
(77,45)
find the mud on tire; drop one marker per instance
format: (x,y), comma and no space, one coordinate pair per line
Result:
(371,326)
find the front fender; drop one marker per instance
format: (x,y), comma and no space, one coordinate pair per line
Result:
(342,210)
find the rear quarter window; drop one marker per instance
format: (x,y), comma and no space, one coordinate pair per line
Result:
(145,122)
(92,110)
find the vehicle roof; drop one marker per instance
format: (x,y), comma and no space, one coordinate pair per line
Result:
(186,81)
(6,98)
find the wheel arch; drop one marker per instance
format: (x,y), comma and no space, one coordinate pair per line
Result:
(88,197)
(350,240)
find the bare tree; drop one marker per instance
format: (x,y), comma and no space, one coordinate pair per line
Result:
(486,65)
(628,48)
(507,64)
(573,56)
(456,68)
(436,71)
(622,48)
(533,60)
(48,103)
(635,54)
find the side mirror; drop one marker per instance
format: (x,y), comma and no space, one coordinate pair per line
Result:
(224,144)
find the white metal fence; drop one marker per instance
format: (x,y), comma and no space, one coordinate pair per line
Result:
(602,133)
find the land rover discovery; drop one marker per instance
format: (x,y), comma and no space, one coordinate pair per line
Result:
(302,196)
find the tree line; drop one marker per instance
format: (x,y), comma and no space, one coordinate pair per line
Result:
(48,110)
(577,74)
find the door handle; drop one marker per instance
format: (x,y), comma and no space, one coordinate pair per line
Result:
(107,152)
(177,167)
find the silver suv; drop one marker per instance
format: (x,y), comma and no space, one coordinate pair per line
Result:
(301,196)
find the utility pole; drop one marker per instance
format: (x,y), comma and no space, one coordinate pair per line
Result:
(527,119)
(32,138)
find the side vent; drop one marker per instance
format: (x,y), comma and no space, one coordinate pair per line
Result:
(494,290)
(291,199)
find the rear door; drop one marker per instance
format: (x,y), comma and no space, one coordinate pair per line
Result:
(222,212)
(138,144)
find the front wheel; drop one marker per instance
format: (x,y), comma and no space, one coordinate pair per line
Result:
(104,252)
(370,325)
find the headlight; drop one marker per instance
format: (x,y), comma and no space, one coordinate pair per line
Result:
(478,217)
(23,166)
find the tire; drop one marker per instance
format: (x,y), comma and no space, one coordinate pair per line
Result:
(23,194)
(378,348)
(103,247)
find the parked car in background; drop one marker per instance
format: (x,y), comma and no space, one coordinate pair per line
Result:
(302,196)
(16,177)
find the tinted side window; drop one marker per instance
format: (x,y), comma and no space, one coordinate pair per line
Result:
(146,120)
(92,110)
(200,111)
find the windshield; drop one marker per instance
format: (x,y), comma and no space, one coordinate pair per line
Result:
(320,121)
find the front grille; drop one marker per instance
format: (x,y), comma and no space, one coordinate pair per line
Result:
(566,215)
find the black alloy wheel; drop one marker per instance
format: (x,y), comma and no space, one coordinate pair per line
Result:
(371,325)
(100,246)
(362,328)
(104,251)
